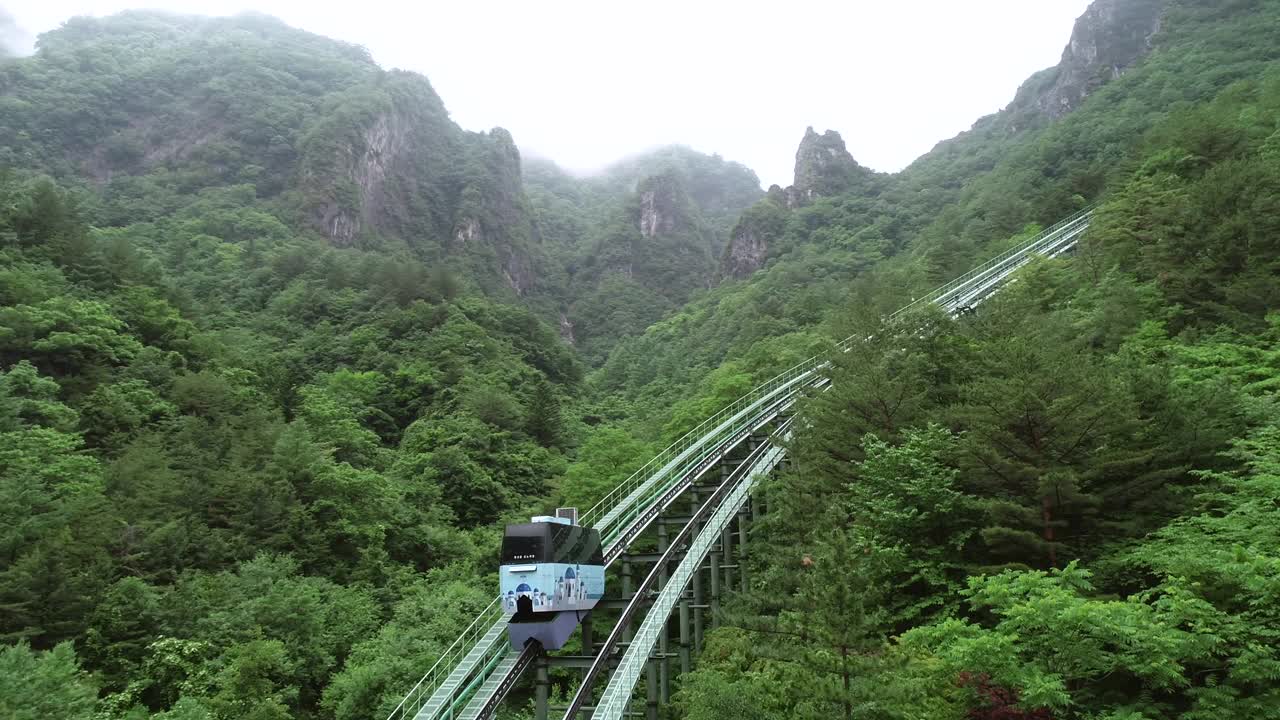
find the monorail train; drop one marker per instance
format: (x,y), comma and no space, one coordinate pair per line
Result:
(552,574)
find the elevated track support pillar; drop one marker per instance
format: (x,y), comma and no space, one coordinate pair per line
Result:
(626,590)
(651,691)
(664,661)
(542,688)
(726,562)
(715,590)
(685,633)
(698,600)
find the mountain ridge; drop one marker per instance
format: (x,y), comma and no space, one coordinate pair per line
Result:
(330,143)
(1108,39)
(250,472)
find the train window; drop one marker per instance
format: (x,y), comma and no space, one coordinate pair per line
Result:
(518,549)
(555,543)
(558,533)
(577,545)
(563,538)
(596,556)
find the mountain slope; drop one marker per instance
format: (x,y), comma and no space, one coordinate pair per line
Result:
(638,239)
(147,110)
(1048,508)
(256,376)
(957,204)
(260,411)
(144,106)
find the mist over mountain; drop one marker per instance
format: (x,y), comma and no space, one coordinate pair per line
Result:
(322,139)
(14,41)
(283,347)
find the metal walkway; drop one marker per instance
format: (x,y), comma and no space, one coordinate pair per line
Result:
(617,695)
(477,671)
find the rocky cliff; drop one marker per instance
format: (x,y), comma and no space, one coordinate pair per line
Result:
(360,162)
(388,162)
(637,239)
(1111,37)
(824,168)
(718,188)
(661,211)
(671,234)
(493,223)
(749,243)
(309,127)
(653,253)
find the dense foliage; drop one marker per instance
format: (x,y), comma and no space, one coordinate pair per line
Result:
(620,279)
(252,469)
(961,202)
(1064,506)
(228,460)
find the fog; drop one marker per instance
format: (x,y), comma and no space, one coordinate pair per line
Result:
(13,39)
(585,83)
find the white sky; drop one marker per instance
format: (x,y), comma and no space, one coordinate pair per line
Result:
(588,82)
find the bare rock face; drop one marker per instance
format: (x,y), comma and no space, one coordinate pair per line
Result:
(385,142)
(509,212)
(373,164)
(517,270)
(760,225)
(468,231)
(661,243)
(823,168)
(659,207)
(504,188)
(492,215)
(364,168)
(566,328)
(1111,37)
(746,251)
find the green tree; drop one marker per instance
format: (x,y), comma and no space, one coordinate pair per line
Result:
(120,629)
(608,457)
(48,490)
(115,412)
(837,617)
(544,421)
(28,399)
(65,336)
(37,685)
(253,683)
(423,624)
(904,503)
(1046,430)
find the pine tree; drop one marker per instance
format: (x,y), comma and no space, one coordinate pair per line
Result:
(1047,429)
(838,615)
(544,421)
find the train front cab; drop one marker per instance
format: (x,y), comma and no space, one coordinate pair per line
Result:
(552,574)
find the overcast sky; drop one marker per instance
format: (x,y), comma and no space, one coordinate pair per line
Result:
(586,83)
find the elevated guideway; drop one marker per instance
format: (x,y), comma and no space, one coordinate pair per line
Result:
(718,512)
(477,671)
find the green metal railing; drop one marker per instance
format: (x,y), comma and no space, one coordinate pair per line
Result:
(468,651)
(1001,264)
(477,650)
(632,495)
(646,482)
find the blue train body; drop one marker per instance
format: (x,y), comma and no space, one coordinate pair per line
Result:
(552,587)
(552,574)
